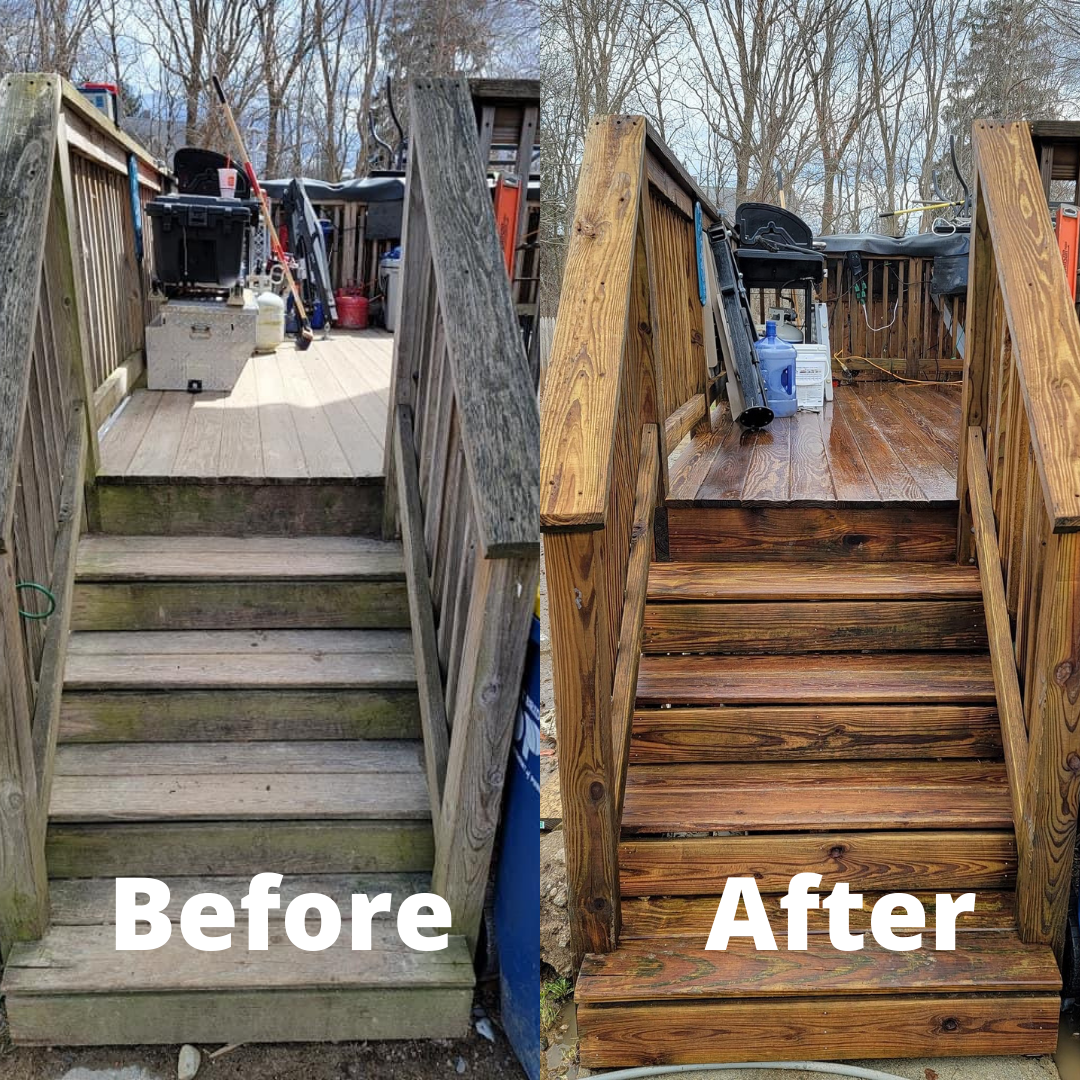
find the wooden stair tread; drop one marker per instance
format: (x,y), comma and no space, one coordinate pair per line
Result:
(816,678)
(870,861)
(808,732)
(207,781)
(92,901)
(84,960)
(672,918)
(814,795)
(216,659)
(807,580)
(648,970)
(224,558)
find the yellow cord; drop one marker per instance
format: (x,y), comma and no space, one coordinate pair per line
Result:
(918,382)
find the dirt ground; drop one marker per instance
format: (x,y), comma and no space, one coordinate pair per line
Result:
(473,1057)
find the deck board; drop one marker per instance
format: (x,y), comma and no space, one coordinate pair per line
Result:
(314,415)
(877,443)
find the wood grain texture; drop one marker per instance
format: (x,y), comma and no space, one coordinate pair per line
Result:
(810,796)
(493,389)
(581,391)
(675,919)
(807,733)
(158,849)
(965,678)
(831,1029)
(649,970)
(875,861)
(1041,318)
(838,626)
(28,111)
(785,533)
(812,581)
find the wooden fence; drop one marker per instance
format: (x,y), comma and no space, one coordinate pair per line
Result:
(918,336)
(74,303)
(462,448)
(626,379)
(1019,484)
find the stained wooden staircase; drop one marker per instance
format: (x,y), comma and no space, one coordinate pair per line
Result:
(828,716)
(233,706)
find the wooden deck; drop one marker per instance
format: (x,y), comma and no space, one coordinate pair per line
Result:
(291,415)
(878,443)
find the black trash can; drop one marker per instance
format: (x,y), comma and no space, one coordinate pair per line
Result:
(198,240)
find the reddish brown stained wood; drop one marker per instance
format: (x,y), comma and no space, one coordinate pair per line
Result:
(822,1028)
(839,626)
(804,796)
(677,918)
(782,733)
(648,970)
(890,475)
(785,533)
(942,860)
(809,581)
(811,477)
(838,679)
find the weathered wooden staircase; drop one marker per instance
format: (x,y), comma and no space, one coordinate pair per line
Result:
(797,651)
(231,706)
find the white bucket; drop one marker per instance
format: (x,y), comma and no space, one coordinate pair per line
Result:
(227,183)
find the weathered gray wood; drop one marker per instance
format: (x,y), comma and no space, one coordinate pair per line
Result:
(488,687)
(425,645)
(51,673)
(238,847)
(28,110)
(499,420)
(123,380)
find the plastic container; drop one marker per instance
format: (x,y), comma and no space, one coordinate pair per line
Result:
(198,239)
(352,310)
(227,183)
(777,361)
(270,325)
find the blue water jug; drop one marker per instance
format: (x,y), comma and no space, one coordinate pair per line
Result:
(777,360)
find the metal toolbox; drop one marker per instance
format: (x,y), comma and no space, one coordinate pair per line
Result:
(199,344)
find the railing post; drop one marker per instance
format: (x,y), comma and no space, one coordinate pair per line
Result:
(1053,785)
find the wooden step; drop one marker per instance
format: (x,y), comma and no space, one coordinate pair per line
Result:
(172,506)
(810,796)
(778,533)
(676,919)
(319,807)
(815,626)
(940,859)
(183,715)
(240,660)
(820,678)
(220,582)
(649,1002)
(809,732)
(74,988)
(752,581)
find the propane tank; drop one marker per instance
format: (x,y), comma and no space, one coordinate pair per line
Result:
(270,322)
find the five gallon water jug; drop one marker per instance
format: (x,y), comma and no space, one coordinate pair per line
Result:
(777,360)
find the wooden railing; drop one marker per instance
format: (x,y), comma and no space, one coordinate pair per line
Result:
(1019,485)
(461,458)
(50,382)
(626,379)
(921,335)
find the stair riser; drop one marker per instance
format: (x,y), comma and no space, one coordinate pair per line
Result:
(839,626)
(247,605)
(791,533)
(163,508)
(241,848)
(806,733)
(338,1015)
(833,1029)
(238,715)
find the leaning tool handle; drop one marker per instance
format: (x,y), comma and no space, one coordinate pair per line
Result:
(249,170)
